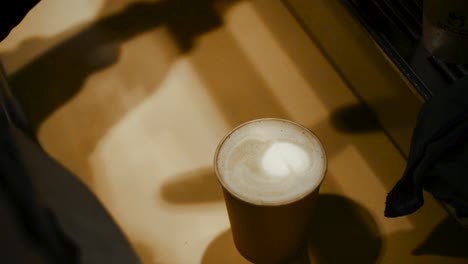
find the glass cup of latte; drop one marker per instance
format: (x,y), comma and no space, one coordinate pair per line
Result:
(270,171)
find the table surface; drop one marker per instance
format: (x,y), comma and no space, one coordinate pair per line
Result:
(149,97)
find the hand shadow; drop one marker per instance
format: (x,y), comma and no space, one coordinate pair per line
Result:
(53,78)
(54,86)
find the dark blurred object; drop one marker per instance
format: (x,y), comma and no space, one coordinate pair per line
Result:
(397,26)
(438,160)
(11,14)
(445,29)
(30,233)
(46,214)
(438,145)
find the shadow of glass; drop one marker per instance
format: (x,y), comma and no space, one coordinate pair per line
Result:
(223,250)
(199,186)
(342,231)
(448,239)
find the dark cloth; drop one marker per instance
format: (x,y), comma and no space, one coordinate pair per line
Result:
(64,211)
(12,13)
(30,233)
(47,215)
(438,159)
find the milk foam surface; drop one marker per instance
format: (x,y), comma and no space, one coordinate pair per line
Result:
(271,161)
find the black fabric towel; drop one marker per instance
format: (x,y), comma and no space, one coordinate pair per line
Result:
(47,215)
(30,233)
(438,159)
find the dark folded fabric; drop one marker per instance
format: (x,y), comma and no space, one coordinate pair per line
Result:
(47,215)
(30,233)
(11,14)
(438,159)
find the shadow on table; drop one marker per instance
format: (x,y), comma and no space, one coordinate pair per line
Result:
(354,118)
(342,231)
(198,186)
(223,250)
(448,239)
(53,78)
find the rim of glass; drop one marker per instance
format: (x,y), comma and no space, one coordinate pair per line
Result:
(295,199)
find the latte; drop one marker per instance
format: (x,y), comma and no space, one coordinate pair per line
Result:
(270,162)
